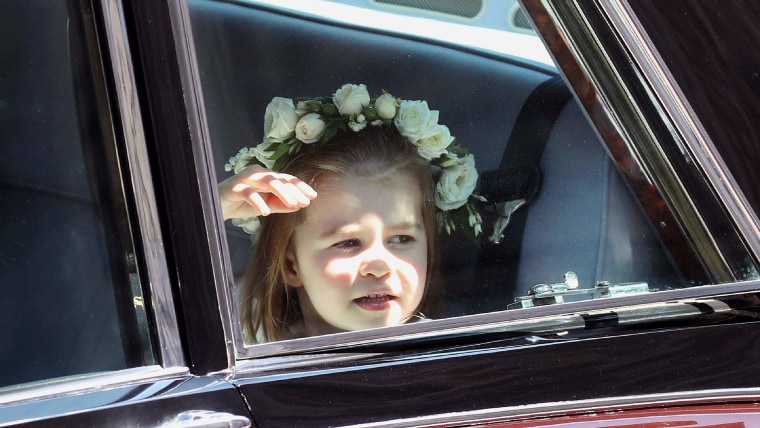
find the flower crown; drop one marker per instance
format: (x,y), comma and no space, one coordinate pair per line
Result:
(287,127)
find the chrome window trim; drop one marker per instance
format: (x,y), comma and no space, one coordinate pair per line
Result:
(87,383)
(216,239)
(161,299)
(685,120)
(538,319)
(563,409)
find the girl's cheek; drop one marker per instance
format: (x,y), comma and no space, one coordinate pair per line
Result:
(340,268)
(414,271)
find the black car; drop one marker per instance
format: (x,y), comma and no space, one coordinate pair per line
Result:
(622,182)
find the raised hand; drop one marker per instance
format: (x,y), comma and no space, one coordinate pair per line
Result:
(257,191)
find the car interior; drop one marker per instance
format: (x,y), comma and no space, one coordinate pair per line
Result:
(583,219)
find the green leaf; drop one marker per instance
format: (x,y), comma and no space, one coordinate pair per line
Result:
(329,110)
(312,106)
(479,197)
(295,147)
(281,150)
(459,218)
(280,163)
(331,128)
(369,113)
(459,150)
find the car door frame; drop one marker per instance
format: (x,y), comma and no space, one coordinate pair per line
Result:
(144,62)
(198,368)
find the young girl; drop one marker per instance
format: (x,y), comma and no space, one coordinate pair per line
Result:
(360,254)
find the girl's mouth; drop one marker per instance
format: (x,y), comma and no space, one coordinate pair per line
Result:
(375,301)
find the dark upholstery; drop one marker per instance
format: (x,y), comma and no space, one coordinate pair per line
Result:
(585,219)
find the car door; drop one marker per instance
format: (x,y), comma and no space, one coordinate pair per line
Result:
(621,205)
(91,333)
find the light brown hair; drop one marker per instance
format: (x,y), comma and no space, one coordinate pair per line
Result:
(268,306)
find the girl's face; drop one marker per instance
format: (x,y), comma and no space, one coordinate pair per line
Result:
(359,260)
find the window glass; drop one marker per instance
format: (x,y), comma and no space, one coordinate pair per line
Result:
(72,301)
(575,232)
(476,13)
(706,50)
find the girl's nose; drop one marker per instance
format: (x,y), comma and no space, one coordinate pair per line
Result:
(377,262)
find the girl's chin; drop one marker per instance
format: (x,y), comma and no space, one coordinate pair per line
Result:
(379,314)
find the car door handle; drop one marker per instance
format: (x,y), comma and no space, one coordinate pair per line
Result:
(208,419)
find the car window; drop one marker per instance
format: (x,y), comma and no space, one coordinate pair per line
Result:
(561,221)
(499,26)
(501,15)
(72,297)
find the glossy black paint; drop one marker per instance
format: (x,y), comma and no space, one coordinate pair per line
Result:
(140,405)
(509,372)
(725,30)
(101,149)
(171,136)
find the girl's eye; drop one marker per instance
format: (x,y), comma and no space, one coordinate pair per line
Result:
(348,243)
(401,239)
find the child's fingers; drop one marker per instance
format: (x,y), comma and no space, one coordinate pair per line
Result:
(253,198)
(256,174)
(288,190)
(305,189)
(259,204)
(265,192)
(284,192)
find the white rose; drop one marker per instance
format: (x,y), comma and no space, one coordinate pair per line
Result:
(456,184)
(415,120)
(309,128)
(385,106)
(350,99)
(261,153)
(435,145)
(280,120)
